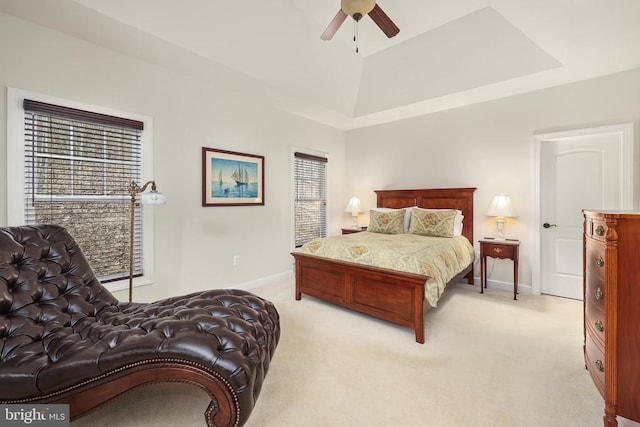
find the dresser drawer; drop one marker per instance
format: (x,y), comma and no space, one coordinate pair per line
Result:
(596,229)
(595,290)
(594,359)
(595,261)
(594,320)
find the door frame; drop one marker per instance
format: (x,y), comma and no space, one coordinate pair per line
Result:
(625,138)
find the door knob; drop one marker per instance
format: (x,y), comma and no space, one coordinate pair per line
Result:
(547,225)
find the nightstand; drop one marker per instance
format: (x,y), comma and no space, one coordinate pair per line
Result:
(504,249)
(353,230)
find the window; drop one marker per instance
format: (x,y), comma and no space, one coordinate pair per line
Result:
(76,166)
(310,194)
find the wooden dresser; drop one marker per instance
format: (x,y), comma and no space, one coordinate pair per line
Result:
(612,310)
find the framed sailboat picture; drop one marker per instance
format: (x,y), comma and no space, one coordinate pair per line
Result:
(231,179)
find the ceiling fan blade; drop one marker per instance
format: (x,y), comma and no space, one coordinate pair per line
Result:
(334,25)
(383,21)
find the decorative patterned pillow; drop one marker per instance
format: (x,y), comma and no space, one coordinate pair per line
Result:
(436,223)
(407,216)
(386,222)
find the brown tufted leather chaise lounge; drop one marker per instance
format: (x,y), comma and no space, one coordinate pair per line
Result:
(65,339)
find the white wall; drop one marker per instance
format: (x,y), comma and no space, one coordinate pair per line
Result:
(194,245)
(488,146)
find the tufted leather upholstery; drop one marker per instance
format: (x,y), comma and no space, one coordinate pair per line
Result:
(60,327)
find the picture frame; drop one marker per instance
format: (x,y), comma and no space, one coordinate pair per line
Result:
(230,178)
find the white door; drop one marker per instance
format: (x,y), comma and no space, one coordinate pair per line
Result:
(583,169)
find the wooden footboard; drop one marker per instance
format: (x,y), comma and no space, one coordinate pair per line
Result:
(386,294)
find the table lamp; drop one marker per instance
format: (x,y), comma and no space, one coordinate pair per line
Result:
(501,208)
(355,208)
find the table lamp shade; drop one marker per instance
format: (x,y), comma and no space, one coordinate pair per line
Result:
(501,206)
(354,206)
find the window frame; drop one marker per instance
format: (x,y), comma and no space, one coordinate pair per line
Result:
(311,153)
(16,170)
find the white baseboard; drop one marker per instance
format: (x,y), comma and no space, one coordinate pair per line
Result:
(504,286)
(254,284)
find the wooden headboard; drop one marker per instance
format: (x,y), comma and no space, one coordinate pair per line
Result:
(433,198)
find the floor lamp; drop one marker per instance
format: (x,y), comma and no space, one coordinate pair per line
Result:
(153,197)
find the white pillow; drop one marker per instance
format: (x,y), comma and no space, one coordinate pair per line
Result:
(407,218)
(457,226)
(457,222)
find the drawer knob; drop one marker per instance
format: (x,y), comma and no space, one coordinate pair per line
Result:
(600,365)
(599,294)
(497,250)
(599,261)
(600,230)
(599,326)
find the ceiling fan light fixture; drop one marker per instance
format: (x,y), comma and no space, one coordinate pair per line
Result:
(357,8)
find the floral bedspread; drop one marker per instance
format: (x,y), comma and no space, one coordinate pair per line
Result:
(440,258)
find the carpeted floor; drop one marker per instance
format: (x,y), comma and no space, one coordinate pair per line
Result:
(487,361)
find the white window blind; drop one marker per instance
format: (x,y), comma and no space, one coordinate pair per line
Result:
(77,168)
(310,178)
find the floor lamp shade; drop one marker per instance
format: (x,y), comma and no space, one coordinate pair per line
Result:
(501,208)
(152,198)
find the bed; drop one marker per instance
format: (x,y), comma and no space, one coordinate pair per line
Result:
(387,294)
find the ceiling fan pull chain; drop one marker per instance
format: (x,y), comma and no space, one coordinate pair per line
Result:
(355,34)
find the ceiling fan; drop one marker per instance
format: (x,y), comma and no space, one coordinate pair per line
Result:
(357,9)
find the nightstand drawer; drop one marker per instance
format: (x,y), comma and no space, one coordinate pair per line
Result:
(498,250)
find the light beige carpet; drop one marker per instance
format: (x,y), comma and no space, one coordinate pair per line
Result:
(487,361)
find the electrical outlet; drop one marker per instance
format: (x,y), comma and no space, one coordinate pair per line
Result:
(236,260)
